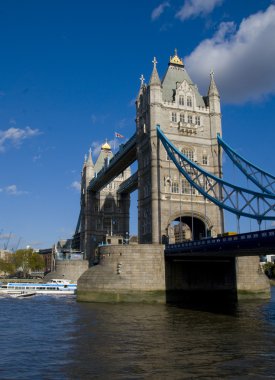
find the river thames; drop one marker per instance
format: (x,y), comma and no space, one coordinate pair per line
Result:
(46,337)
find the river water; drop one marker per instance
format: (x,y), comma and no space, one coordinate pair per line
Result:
(46,337)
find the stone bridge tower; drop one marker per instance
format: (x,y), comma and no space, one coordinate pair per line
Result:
(168,207)
(104,212)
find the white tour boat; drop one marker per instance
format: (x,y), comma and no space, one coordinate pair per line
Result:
(55,286)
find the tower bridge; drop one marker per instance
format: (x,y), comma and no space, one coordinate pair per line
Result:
(182,196)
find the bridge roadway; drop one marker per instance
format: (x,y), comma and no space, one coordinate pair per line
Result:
(255,243)
(126,155)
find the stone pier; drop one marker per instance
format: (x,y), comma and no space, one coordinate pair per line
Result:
(139,273)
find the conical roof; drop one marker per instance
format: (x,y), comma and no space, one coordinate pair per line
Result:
(89,161)
(154,80)
(213,90)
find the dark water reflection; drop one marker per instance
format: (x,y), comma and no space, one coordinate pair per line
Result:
(58,338)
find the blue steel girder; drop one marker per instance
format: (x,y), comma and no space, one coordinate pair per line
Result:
(237,200)
(262,179)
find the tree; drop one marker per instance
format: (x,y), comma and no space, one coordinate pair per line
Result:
(269,270)
(26,260)
(6,267)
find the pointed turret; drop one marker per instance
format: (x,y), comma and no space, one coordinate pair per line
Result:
(84,162)
(89,168)
(213,90)
(155,85)
(154,80)
(214,107)
(89,161)
(141,88)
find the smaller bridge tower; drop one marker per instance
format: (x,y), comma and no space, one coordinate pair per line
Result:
(103,212)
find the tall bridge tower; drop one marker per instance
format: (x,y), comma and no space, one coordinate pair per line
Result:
(168,207)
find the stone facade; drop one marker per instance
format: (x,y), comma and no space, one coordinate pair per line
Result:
(191,122)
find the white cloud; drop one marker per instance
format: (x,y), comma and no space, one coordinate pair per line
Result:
(243,58)
(193,8)
(15,136)
(12,190)
(159,10)
(76,185)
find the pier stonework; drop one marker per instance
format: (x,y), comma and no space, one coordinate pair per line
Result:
(125,273)
(250,280)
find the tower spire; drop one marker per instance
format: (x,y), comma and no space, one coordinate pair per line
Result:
(154,80)
(142,85)
(89,161)
(213,90)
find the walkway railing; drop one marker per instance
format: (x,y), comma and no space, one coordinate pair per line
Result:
(256,239)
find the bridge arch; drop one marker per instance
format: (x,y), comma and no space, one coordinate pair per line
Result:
(195,224)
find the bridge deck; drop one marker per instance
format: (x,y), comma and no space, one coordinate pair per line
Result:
(121,161)
(249,244)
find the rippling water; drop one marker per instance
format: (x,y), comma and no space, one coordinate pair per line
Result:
(47,337)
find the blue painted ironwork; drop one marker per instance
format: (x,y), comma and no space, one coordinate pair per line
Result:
(237,200)
(265,181)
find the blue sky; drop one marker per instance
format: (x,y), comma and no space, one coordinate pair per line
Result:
(69,77)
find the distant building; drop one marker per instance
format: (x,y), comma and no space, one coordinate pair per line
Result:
(47,254)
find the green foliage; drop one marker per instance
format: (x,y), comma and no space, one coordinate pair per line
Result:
(6,267)
(26,260)
(269,269)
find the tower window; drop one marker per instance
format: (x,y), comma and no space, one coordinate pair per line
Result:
(186,187)
(189,101)
(174,117)
(181,100)
(204,159)
(188,153)
(175,187)
(198,120)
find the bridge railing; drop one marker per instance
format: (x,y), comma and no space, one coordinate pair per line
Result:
(244,240)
